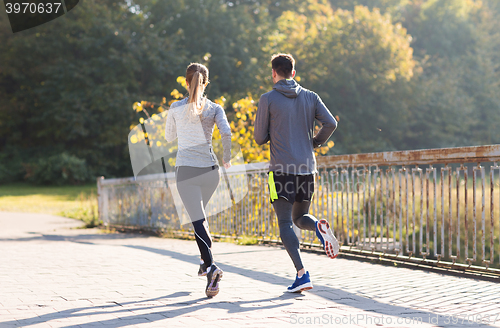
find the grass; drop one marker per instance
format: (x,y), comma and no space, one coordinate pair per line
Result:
(77,202)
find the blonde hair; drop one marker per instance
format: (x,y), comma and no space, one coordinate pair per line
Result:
(197,78)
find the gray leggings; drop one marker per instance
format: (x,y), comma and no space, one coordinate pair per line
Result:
(196,186)
(297,213)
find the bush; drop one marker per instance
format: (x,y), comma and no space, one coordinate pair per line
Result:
(58,170)
(4,174)
(11,168)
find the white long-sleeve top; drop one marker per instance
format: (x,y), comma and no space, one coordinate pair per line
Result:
(195,136)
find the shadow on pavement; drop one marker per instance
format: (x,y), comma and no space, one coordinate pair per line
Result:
(77,238)
(188,307)
(340,297)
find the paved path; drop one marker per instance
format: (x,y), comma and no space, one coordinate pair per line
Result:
(53,276)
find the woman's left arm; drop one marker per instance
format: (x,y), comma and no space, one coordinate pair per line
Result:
(170,127)
(225,132)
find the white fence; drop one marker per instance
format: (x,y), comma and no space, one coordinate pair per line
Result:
(439,207)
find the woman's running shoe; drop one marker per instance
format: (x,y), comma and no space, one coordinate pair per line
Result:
(214,275)
(202,271)
(300,284)
(326,237)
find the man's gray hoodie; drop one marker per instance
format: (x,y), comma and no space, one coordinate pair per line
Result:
(285,117)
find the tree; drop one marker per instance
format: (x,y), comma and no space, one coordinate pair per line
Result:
(359,63)
(68,85)
(393,7)
(458,102)
(222,35)
(441,28)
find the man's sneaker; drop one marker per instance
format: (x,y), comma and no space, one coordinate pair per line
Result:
(214,274)
(326,237)
(203,270)
(300,284)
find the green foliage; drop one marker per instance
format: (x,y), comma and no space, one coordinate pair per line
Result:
(442,28)
(400,74)
(386,6)
(68,84)
(359,63)
(58,170)
(11,168)
(456,100)
(224,36)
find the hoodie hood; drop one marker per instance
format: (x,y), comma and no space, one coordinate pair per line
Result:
(288,87)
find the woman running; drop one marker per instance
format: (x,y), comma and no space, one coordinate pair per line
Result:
(192,120)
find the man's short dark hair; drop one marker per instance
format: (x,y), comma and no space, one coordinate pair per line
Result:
(283,64)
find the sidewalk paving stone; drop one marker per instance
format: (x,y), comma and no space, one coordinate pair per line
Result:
(54,276)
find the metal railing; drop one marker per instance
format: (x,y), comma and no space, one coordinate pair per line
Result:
(439,207)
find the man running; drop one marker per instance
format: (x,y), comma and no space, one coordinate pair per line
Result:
(286,117)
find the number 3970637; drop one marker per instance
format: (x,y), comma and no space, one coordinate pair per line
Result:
(32,8)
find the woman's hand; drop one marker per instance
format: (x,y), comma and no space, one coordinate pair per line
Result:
(227,165)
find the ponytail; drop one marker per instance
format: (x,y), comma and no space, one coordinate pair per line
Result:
(196,89)
(197,77)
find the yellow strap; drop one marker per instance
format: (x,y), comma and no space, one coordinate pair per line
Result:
(272,187)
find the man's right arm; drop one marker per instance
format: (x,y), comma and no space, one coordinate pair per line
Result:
(261,125)
(328,122)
